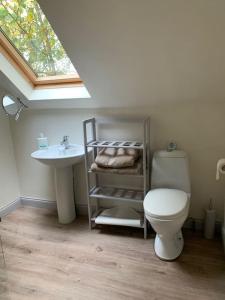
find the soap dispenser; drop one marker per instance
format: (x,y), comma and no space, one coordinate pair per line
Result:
(42,142)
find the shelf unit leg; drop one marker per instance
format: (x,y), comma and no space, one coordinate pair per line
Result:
(146,167)
(92,121)
(89,214)
(145,228)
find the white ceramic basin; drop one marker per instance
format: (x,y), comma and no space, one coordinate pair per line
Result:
(59,157)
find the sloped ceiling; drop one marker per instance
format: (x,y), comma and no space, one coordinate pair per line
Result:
(135,53)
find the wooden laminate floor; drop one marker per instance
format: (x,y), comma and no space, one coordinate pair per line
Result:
(40,259)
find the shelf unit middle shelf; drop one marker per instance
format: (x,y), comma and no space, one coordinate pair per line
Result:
(117,193)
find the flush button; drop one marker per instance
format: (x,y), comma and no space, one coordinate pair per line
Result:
(171,146)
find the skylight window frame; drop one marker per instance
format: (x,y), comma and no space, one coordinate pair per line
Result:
(9,50)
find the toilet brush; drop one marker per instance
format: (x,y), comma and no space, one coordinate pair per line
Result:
(210,220)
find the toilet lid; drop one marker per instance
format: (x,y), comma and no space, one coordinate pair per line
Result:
(165,203)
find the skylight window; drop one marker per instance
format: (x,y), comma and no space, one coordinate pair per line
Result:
(27,29)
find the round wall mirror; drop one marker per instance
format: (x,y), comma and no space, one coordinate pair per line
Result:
(10,105)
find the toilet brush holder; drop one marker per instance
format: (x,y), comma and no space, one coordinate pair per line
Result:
(210,221)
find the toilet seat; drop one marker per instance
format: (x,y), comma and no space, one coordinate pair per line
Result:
(166,204)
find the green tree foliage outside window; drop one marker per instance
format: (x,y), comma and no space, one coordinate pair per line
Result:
(26,27)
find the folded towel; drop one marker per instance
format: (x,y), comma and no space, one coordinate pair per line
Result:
(116,157)
(108,151)
(134,170)
(122,161)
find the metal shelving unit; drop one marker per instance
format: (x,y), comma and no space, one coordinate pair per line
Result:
(97,191)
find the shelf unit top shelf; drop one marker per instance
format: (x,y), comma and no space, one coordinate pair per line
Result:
(116,144)
(117,193)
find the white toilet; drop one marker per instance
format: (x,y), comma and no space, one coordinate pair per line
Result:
(166,206)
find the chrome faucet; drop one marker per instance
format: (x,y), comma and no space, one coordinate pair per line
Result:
(65,142)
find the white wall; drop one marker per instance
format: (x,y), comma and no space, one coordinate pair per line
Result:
(157,57)
(197,129)
(9,186)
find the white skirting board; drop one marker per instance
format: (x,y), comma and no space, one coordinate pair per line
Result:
(22,201)
(37,202)
(81,209)
(7,209)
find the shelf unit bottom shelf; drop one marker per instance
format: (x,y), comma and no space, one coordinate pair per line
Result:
(97,219)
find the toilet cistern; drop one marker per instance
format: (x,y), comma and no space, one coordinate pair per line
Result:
(65,142)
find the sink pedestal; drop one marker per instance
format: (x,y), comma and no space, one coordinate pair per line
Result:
(65,195)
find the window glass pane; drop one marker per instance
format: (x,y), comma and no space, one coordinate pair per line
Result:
(26,27)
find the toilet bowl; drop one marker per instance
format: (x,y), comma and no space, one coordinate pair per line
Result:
(166,210)
(166,206)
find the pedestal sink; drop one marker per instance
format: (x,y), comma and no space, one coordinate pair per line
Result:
(62,160)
